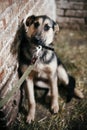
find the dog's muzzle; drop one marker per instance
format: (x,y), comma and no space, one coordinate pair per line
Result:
(38,42)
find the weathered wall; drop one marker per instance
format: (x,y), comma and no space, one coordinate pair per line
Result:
(72,13)
(11,13)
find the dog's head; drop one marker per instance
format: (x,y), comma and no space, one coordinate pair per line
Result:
(41,29)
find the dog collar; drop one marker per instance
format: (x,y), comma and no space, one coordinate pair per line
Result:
(43,46)
(47,47)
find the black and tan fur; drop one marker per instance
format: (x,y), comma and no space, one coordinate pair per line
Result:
(37,34)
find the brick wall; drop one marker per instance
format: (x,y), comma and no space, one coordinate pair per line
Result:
(72,13)
(11,13)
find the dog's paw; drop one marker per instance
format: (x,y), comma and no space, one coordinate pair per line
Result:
(55,108)
(30,118)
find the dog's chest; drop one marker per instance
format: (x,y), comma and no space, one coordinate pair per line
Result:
(46,70)
(43,70)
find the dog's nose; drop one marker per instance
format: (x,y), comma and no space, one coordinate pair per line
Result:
(37,38)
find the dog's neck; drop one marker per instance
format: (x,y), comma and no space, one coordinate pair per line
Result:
(47,56)
(50,47)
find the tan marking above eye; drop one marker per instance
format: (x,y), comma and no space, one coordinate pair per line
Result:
(40,20)
(47,21)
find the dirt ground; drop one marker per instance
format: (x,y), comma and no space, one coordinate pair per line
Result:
(71,47)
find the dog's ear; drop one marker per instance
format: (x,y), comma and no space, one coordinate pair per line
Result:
(30,20)
(56,27)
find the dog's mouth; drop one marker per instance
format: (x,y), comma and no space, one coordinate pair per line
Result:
(33,60)
(40,42)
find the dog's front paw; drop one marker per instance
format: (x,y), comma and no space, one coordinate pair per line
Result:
(55,108)
(30,118)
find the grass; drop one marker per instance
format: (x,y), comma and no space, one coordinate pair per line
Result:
(71,47)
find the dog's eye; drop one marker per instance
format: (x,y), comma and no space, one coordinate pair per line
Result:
(36,24)
(46,27)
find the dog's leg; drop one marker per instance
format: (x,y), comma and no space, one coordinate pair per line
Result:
(31,101)
(67,80)
(54,95)
(42,84)
(62,75)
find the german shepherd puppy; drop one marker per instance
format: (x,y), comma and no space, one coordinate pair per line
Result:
(37,44)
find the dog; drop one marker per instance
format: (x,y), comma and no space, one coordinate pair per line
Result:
(36,45)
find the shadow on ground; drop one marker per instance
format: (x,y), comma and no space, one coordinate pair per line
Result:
(71,47)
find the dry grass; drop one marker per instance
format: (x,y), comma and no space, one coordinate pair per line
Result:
(71,47)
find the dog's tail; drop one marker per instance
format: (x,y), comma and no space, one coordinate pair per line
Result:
(72,90)
(78,93)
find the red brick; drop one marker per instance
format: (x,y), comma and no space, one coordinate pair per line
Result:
(9,33)
(2,73)
(0,62)
(8,67)
(3,5)
(10,2)
(2,25)
(5,52)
